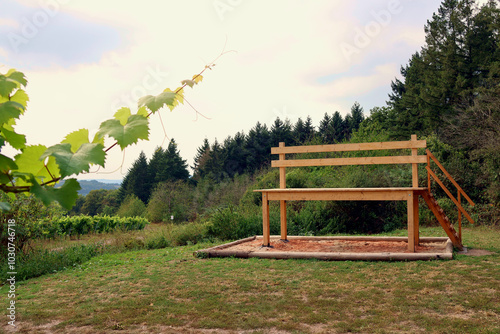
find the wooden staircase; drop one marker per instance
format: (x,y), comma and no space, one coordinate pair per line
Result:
(443,219)
(456,238)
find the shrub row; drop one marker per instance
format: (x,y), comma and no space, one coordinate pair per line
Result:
(79,225)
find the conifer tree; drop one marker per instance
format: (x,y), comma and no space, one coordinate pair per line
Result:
(133,183)
(337,125)
(281,131)
(174,167)
(257,147)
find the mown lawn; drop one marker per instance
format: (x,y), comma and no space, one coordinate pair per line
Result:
(170,291)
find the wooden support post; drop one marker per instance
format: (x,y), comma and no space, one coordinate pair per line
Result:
(283,203)
(265,221)
(411,223)
(414,167)
(414,172)
(416,223)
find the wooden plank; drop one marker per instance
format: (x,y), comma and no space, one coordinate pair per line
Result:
(283,226)
(411,227)
(350,161)
(392,145)
(339,195)
(414,166)
(283,220)
(265,220)
(299,190)
(416,219)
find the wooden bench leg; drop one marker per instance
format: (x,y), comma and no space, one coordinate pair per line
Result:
(416,218)
(265,221)
(283,220)
(411,223)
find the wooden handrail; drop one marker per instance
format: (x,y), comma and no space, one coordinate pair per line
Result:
(449,177)
(460,208)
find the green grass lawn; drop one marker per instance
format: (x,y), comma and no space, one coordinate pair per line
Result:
(170,291)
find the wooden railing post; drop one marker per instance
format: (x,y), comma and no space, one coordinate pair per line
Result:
(414,167)
(414,172)
(283,203)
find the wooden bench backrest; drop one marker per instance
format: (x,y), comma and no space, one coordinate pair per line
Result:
(413,159)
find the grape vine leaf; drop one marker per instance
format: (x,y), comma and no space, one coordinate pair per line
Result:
(9,110)
(143,112)
(30,161)
(15,140)
(66,195)
(20,97)
(197,78)
(74,163)
(122,115)
(17,77)
(77,139)
(6,164)
(179,97)
(154,103)
(10,81)
(7,86)
(190,83)
(137,127)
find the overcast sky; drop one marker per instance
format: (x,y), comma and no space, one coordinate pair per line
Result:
(84,59)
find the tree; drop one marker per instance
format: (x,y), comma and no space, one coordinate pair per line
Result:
(214,167)
(133,183)
(445,77)
(94,202)
(303,131)
(233,153)
(281,131)
(337,124)
(173,167)
(357,116)
(170,198)
(257,148)
(200,159)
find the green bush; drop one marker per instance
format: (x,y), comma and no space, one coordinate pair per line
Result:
(224,223)
(132,206)
(171,198)
(187,234)
(29,213)
(75,226)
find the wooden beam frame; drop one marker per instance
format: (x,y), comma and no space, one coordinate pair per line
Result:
(410,195)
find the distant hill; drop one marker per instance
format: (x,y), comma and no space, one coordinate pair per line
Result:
(88,185)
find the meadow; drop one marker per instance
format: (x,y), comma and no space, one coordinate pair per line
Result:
(168,290)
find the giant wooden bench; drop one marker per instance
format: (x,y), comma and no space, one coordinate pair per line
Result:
(408,194)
